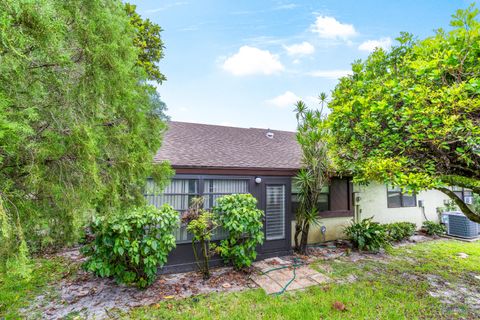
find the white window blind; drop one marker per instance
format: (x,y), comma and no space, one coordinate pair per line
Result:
(180,192)
(275,212)
(214,189)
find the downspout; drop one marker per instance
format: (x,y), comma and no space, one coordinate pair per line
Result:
(356,207)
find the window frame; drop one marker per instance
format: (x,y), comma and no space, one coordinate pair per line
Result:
(328,193)
(462,192)
(284,221)
(401,194)
(200,179)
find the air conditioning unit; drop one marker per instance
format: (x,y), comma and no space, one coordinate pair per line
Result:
(458,225)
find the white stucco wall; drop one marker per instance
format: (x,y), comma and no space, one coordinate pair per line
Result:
(334,229)
(373,202)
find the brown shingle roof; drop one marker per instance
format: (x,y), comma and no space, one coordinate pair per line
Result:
(211,146)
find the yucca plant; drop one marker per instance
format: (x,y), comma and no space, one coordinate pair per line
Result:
(317,171)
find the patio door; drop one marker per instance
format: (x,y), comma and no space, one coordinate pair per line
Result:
(276,204)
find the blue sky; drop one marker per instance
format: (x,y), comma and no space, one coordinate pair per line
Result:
(245,63)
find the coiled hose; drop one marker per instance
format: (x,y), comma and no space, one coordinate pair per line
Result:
(294,265)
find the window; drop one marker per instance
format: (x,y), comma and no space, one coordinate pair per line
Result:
(181,191)
(464,194)
(178,193)
(275,212)
(214,189)
(323,199)
(397,199)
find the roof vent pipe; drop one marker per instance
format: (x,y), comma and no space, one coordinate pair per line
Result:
(270,135)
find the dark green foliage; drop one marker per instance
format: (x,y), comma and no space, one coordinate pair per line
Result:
(147,39)
(77,134)
(399,231)
(239,217)
(367,235)
(433,228)
(132,245)
(410,116)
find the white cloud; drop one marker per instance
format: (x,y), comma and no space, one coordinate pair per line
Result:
(250,60)
(330,74)
(331,28)
(304,48)
(287,99)
(371,45)
(287,6)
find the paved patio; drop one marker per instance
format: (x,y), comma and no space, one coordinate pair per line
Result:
(276,273)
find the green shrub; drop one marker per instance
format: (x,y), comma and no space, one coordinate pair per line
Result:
(131,246)
(399,231)
(433,228)
(240,218)
(367,235)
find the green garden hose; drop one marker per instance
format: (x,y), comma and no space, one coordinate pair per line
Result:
(295,265)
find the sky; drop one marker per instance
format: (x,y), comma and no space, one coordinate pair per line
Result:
(246,63)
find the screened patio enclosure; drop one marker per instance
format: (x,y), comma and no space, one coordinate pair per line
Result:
(272,193)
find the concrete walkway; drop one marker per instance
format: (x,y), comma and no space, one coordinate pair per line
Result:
(275,280)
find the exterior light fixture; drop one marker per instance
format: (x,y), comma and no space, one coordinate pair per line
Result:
(258,180)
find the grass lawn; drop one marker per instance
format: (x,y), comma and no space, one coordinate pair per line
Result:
(17,292)
(394,289)
(399,287)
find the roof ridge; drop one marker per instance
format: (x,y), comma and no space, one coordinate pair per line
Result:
(224,126)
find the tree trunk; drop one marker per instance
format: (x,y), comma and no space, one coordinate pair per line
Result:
(304,241)
(475,217)
(206,267)
(298,231)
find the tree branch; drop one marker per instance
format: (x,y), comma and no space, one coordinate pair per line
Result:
(459,202)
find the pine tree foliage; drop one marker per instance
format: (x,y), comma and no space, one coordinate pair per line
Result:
(77,135)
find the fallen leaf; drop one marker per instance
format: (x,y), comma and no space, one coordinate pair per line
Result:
(168,297)
(339,306)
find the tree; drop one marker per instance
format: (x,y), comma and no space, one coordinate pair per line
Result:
(158,106)
(76,132)
(147,39)
(201,224)
(411,116)
(312,135)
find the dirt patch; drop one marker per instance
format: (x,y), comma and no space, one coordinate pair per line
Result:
(91,297)
(460,293)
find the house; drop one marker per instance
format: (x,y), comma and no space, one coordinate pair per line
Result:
(212,161)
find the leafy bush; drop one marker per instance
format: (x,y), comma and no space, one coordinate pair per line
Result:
(131,246)
(399,231)
(367,235)
(433,228)
(240,218)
